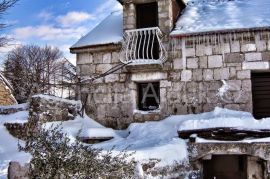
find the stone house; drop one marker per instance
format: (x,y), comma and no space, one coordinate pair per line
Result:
(6,96)
(181,50)
(182,57)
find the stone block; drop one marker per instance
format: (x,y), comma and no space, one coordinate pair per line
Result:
(97,58)
(178,63)
(246,85)
(192,63)
(190,52)
(261,45)
(253,57)
(266,56)
(102,68)
(235,107)
(148,76)
(242,97)
(197,75)
(203,62)
(208,50)
(234,85)
(186,75)
(222,74)
(208,75)
(225,48)
(174,75)
(234,58)
(84,58)
(107,58)
(215,61)
(200,50)
(255,66)
(122,77)
(115,57)
(244,74)
(235,46)
(111,78)
(165,83)
(248,47)
(87,69)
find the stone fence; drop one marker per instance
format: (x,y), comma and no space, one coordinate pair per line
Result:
(45,108)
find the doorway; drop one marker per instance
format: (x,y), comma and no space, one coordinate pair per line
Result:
(147,17)
(225,167)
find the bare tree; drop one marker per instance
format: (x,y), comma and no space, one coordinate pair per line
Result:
(32,69)
(4,6)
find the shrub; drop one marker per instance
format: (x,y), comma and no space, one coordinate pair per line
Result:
(54,155)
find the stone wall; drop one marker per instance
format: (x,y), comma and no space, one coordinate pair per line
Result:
(45,108)
(188,85)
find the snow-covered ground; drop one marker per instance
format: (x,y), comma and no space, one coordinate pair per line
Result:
(149,140)
(9,144)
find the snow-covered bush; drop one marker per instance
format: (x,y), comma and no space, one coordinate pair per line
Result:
(54,155)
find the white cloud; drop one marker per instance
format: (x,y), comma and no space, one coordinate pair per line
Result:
(45,15)
(73,18)
(112,5)
(49,33)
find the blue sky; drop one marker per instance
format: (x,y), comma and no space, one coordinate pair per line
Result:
(58,23)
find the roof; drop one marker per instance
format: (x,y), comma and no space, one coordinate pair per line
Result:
(214,15)
(109,31)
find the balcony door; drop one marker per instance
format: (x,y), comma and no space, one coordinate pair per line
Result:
(147,16)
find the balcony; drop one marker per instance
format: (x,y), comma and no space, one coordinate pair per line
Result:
(143,47)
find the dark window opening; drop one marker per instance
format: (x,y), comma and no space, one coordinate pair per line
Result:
(149,96)
(225,167)
(261,94)
(147,16)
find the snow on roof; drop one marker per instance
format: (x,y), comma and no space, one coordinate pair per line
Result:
(110,30)
(219,15)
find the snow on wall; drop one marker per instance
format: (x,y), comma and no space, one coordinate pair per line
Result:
(110,30)
(215,15)
(225,118)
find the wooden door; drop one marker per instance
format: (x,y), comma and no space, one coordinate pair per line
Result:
(261,94)
(225,167)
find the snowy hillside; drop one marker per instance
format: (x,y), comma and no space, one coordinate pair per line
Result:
(149,140)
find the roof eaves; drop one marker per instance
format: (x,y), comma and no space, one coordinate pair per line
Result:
(225,31)
(98,47)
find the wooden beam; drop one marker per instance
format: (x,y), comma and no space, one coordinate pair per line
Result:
(225,134)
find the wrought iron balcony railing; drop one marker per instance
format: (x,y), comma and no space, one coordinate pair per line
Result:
(143,46)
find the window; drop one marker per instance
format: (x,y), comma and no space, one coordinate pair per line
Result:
(149,96)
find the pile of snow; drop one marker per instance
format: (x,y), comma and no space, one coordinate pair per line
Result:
(149,140)
(75,127)
(225,118)
(16,106)
(9,144)
(215,15)
(98,133)
(55,98)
